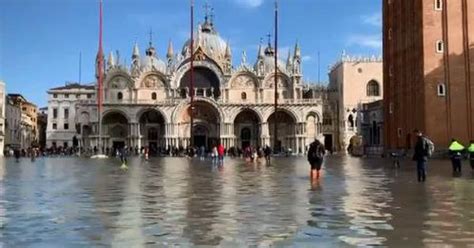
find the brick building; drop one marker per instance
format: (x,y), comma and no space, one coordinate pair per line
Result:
(428,65)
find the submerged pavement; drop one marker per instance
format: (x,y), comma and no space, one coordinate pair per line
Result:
(74,202)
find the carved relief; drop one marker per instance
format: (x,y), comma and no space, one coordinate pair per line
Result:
(119,82)
(199,55)
(282,83)
(243,82)
(152,81)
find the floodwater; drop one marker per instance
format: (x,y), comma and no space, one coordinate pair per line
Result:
(177,202)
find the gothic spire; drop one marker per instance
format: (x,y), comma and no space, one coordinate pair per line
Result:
(111,60)
(228,52)
(288,61)
(170,52)
(135,52)
(260,49)
(297,50)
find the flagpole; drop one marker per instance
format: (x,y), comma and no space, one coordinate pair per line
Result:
(80,67)
(100,79)
(275,124)
(191,83)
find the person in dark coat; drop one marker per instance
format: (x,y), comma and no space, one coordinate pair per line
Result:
(315,158)
(420,155)
(123,152)
(268,153)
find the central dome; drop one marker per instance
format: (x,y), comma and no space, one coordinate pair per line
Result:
(209,41)
(151,62)
(267,61)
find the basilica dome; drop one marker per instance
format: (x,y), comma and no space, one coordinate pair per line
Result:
(151,62)
(267,61)
(209,41)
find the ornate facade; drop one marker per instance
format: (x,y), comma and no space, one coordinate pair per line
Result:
(148,103)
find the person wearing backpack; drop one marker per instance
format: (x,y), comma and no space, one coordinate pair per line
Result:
(455,151)
(315,158)
(421,155)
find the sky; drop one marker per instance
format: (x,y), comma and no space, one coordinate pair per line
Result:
(41,41)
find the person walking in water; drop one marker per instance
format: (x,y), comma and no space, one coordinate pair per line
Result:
(470,150)
(315,158)
(455,151)
(123,156)
(420,156)
(220,153)
(268,153)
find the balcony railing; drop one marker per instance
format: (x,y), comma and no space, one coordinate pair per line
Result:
(178,100)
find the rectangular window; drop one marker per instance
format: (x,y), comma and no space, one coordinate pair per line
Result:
(438,5)
(55,113)
(89,96)
(66,113)
(55,95)
(66,126)
(55,126)
(78,96)
(66,95)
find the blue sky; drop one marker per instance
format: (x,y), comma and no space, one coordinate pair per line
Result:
(40,40)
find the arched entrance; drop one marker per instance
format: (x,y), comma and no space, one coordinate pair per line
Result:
(152,130)
(246,129)
(206,82)
(115,128)
(206,126)
(286,130)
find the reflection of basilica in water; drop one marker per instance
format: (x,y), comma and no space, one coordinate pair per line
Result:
(147,104)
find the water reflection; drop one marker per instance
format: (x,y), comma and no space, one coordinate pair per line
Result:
(181,202)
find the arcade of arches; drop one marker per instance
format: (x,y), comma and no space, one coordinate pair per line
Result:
(150,127)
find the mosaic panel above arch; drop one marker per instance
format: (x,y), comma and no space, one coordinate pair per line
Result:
(243,82)
(120,82)
(153,81)
(282,82)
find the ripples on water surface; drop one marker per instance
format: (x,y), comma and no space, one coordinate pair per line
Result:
(179,202)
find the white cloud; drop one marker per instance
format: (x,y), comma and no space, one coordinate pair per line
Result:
(373,19)
(371,41)
(250,3)
(307,58)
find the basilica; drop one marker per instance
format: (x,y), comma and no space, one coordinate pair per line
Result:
(147,103)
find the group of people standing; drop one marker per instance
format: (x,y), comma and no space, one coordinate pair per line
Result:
(424,149)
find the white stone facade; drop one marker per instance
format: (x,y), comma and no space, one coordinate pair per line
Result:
(148,104)
(61,113)
(353,81)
